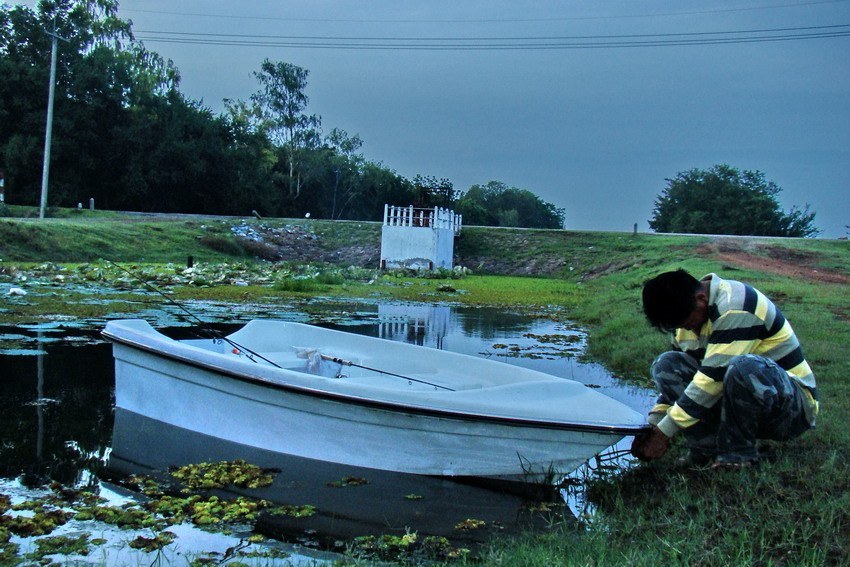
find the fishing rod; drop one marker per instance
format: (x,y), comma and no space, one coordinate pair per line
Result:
(344,362)
(216,335)
(251,353)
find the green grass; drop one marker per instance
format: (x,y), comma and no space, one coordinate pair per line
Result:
(73,240)
(794,510)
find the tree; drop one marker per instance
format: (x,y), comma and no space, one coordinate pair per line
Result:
(279,107)
(116,106)
(432,192)
(496,204)
(724,200)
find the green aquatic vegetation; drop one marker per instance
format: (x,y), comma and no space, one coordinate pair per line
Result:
(348,481)
(60,545)
(548,347)
(406,549)
(239,510)
(175,509)
(203,512)
(42,522)
(150,544)
(470,524)
(555,339)
(128,517)
(9,552)
(5,503)
(144,484)
(205,476)
(386,547)
(303,511)
(64,496)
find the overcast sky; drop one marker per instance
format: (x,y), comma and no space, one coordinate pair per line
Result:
(592,124)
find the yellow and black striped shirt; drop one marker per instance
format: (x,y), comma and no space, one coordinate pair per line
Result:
(741,320)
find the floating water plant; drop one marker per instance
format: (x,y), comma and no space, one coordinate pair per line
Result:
(144,484)
(407,549)
(204,476)
(386,546)
(293,511)
(42,522)
(440,548)
(348,481)
(470,524)
(155,543)
(124,517)
(64,496)
(60,545)
(204,512)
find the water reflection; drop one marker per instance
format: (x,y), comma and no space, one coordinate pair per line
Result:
(57,414)
(349,501)
(59,421)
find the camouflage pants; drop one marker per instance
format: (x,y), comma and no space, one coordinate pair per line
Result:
(759,401)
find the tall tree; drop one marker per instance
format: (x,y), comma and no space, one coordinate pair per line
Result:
(724,200)
(346,167)
(280,106)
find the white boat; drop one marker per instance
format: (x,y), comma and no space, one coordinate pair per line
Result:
(339,397)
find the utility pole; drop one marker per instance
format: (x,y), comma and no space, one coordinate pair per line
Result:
(45,171)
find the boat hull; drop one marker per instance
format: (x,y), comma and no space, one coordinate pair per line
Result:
(311,426)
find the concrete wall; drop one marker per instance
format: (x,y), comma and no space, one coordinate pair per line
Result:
(421,239)
(416,247)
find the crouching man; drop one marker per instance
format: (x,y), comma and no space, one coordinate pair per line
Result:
(736,373)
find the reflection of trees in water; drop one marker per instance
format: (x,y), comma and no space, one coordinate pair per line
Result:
(57,414)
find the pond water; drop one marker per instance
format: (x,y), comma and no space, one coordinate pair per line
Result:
(59,423)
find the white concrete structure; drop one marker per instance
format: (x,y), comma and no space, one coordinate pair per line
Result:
(422,239)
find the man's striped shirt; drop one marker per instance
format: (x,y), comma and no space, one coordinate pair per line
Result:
(741,320)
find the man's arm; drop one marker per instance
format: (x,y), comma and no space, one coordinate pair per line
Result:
(734,333)
(650,446)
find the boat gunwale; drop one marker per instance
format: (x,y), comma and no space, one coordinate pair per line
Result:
(371,402)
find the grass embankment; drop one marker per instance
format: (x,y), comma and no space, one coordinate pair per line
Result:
(794,509)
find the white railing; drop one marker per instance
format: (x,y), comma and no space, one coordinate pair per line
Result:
(437,217)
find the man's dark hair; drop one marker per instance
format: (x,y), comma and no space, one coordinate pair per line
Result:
(669,298)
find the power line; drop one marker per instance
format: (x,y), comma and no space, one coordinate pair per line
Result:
(503,38)
(501,43)
(487,20)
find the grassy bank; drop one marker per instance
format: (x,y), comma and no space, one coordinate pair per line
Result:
(794,509)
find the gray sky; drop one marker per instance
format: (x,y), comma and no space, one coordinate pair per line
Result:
(595,130)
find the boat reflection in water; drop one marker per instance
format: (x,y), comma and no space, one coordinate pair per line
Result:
(386,503)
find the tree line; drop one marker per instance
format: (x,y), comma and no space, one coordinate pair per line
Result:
(124,135)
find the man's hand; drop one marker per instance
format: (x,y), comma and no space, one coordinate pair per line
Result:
(650,446)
